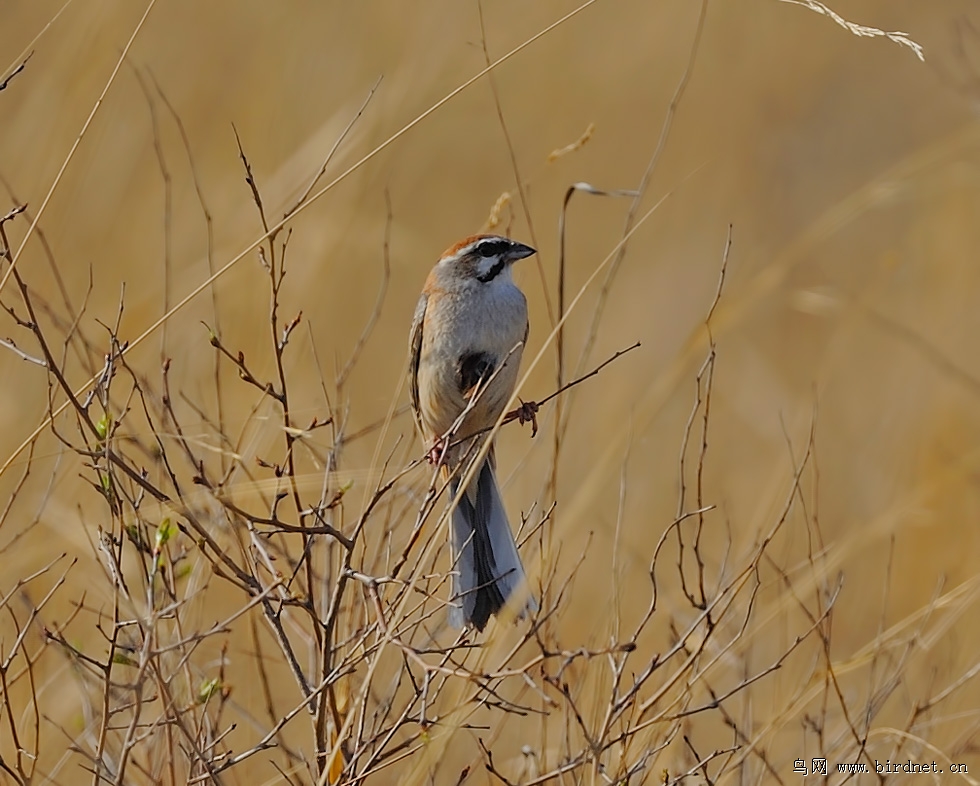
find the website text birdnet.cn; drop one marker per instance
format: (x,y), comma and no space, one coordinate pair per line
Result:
(818,766)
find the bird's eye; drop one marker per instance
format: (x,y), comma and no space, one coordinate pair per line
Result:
(491,248)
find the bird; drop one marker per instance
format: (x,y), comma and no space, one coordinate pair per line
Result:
(469,330)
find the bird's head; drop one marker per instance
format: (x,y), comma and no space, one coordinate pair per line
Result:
(483,257)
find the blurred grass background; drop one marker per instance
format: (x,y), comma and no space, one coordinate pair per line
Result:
(849,170)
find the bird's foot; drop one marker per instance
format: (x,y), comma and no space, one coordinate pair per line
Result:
(527,412)
(437,453)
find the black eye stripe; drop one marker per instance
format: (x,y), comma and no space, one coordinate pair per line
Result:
(491,248)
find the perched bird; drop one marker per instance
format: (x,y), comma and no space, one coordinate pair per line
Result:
(467,337)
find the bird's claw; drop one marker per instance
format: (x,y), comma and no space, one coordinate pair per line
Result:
(527,412)
(437,452)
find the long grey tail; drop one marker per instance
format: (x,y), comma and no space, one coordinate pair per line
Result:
(487,569)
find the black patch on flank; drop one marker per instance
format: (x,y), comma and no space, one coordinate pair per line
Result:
(474,368)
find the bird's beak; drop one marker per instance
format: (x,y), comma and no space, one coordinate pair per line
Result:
(519,251)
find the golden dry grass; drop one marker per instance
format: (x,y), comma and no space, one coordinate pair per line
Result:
(848,170)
